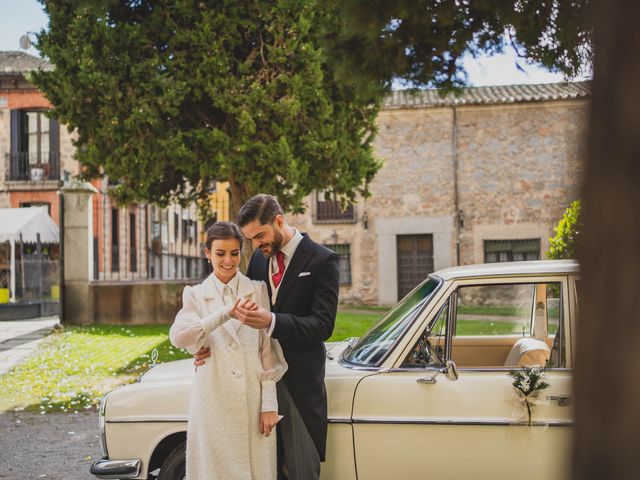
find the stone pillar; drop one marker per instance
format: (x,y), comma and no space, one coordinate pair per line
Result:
(77,252)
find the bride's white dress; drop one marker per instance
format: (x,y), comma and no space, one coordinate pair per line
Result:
(234,386)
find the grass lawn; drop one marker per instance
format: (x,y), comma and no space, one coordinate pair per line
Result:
(490,310)
(72,369)
(485,327)
(354,324)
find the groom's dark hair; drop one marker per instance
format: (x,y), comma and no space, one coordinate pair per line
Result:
(262,207)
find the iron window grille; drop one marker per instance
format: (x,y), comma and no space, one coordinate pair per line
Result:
(511,250)
(343,250)
(330,211)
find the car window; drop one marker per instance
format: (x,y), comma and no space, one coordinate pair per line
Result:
(494,310)
(429,350)
(497,326)
(373,347)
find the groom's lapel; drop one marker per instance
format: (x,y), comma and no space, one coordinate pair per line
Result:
(300,259)
(265,272)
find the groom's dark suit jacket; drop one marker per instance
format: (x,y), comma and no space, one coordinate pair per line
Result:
(305,312)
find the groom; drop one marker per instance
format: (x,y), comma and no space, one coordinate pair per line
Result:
(302,278)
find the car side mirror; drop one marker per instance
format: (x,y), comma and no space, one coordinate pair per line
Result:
(450,370)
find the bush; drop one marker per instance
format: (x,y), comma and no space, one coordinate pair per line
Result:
(568,236)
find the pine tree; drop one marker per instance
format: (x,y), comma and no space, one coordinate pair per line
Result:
(167,96)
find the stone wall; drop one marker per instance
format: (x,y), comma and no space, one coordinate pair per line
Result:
(135,302)
(518,168)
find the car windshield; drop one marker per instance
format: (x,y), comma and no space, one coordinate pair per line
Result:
(373,347)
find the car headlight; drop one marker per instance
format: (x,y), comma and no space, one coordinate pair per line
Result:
(101,425)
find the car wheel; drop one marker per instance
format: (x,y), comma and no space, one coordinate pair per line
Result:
(174,466)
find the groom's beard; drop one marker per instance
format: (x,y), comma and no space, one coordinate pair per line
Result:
(271,248)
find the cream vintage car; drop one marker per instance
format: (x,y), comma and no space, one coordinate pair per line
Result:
(425,393)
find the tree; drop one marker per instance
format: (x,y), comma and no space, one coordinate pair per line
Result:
(559,34)
(167,96)
(564,245)
(607,390)
(422,42)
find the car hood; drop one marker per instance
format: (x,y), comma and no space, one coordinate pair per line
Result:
(163,371)
(185,368)
(163,391)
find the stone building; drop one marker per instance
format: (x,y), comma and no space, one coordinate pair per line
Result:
(480,177)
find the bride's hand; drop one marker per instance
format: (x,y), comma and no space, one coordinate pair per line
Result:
(233,312)
(268,420)
(242,303)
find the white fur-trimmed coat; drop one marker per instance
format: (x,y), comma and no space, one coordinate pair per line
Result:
(234,386)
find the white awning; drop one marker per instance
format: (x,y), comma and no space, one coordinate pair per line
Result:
(28,222)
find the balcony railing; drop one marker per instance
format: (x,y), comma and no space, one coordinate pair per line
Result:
(28,166)
(330,212)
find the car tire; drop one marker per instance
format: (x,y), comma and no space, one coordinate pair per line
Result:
(174,466)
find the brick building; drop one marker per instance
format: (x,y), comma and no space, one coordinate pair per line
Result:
(36,159)
(481,177)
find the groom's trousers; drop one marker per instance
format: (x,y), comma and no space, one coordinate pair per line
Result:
(298,457)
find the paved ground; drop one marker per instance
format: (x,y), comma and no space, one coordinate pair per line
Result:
(34,446)
(18,338)
(52,446)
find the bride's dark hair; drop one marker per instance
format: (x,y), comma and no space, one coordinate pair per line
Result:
(223,231)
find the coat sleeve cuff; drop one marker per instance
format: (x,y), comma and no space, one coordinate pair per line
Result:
(215,319)
(269,396)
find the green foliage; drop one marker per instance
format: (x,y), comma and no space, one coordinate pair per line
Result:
(167,96)
(568,236)
(422,41)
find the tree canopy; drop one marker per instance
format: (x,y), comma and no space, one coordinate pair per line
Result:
(167,96)
(423,41)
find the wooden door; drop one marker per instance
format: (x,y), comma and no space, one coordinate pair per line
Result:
(415,261)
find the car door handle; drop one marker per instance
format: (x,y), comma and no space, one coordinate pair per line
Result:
(427,380)
(563,400)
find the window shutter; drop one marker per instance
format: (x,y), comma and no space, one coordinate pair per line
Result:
(15,132)
(54,136)
(54,149)
(14,159)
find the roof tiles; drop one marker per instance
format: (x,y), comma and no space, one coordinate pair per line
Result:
(16,62)
(489,95)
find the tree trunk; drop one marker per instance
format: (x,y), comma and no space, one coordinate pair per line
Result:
(607,386)
(238,196)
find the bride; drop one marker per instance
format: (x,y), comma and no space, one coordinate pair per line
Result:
(233,407)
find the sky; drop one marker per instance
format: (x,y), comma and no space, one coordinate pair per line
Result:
(22,16)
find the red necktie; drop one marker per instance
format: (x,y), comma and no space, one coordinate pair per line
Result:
(277,277)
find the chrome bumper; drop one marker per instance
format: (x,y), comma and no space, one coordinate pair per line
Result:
(105,468)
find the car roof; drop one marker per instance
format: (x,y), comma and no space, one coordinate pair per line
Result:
(537,267)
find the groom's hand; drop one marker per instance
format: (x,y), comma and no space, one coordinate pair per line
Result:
(201,355)
(255,317)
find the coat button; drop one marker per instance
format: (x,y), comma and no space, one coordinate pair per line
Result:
(238,374)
